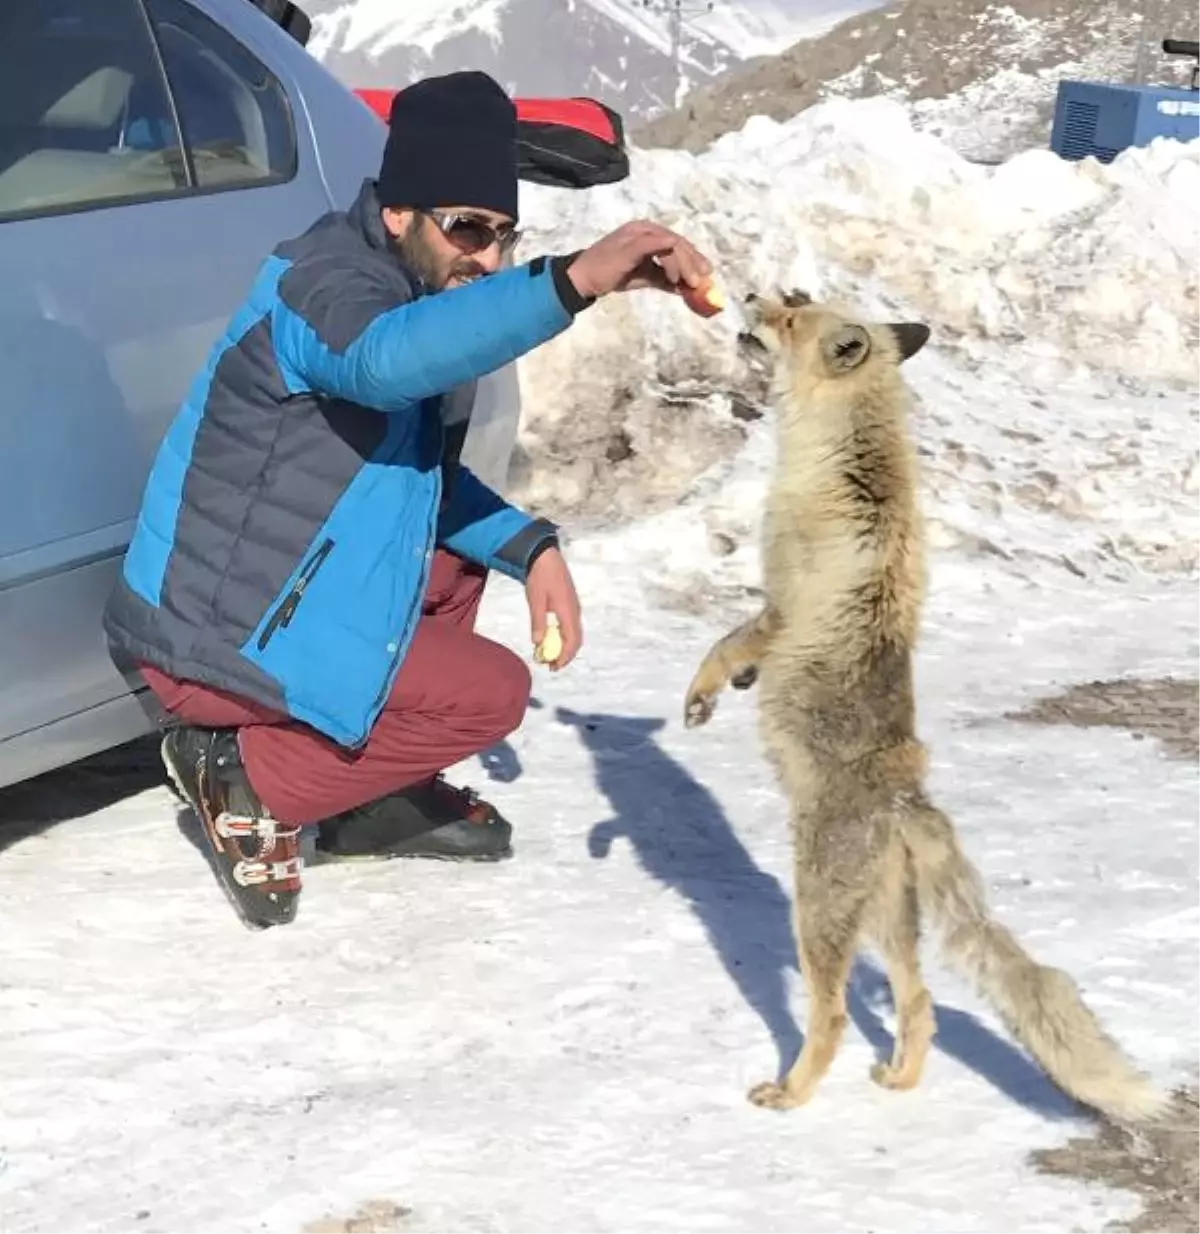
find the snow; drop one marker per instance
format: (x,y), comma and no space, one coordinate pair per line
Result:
(565,1041)
(1074,283)
(760,29)
(989,116)
(378,25)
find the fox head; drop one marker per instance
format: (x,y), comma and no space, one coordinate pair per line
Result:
(808,343)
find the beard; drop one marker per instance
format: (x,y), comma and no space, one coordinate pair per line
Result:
(415,253)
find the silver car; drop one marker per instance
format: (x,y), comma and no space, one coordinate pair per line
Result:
(152,153)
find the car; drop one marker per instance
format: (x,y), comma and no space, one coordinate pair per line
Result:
(152,153)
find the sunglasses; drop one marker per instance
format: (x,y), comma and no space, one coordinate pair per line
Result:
(470,234)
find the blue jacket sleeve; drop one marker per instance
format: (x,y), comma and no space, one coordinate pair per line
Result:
(477,523)
(352,341)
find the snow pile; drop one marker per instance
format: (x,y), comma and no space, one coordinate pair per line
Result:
(1005,112)
(1098,261)
(1074,286)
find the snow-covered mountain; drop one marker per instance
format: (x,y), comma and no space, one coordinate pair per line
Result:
(616,50)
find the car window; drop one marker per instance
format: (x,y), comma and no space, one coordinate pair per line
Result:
(78,80)
(236,120)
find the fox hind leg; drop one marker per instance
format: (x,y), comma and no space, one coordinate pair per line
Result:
(897,928)
(828,939)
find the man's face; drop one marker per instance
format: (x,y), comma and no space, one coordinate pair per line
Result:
(450,246)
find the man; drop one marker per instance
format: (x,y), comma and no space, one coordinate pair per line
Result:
(301,588)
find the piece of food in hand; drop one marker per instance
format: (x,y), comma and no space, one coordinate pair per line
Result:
(708,299)
(551,646)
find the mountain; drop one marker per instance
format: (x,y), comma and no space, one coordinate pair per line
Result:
(619,51)
(995,67)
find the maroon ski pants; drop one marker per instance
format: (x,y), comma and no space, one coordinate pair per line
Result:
(456,693)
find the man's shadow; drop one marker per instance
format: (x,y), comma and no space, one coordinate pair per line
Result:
(683,839)
(500,763)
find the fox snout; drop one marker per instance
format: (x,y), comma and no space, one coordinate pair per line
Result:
(750,347)
(755,307)
(761,315)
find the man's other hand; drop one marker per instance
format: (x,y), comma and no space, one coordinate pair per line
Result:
(550,589)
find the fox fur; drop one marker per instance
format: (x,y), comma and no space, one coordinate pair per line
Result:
(831,651)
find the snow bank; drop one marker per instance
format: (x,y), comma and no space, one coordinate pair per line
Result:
(1097,261)
(1008,111)
(1079,278)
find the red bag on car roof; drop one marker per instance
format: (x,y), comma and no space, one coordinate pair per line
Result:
(572,143)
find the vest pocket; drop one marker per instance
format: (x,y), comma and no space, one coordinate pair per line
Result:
(283,615)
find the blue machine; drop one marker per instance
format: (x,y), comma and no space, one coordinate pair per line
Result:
(1099,119)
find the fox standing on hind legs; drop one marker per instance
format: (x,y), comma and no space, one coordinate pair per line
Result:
(844,578)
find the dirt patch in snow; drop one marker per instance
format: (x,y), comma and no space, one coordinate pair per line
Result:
(374,1217)
(1161,1164)
(1164,708)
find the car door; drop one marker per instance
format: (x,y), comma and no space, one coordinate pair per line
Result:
(149,160)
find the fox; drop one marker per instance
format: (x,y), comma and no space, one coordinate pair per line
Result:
(844,578)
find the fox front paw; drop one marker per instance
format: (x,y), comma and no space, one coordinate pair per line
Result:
(698,709)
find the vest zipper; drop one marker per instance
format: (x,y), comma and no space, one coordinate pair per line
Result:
(283,615)
(415,603)
(413,607)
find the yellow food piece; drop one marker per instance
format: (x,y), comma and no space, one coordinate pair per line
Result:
(550,648)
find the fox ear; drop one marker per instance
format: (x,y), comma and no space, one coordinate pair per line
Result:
(846,348)
(910,337)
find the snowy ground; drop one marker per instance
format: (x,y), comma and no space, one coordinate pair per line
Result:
(565,1041)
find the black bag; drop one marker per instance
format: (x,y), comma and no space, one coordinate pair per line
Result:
(573,143)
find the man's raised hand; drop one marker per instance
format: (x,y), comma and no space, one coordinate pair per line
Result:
(636,255)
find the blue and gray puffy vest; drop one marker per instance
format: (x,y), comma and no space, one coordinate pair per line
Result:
(283,545)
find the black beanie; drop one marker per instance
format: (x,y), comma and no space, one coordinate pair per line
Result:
(452,142)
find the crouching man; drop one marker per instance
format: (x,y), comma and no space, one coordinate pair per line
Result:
(301,588)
